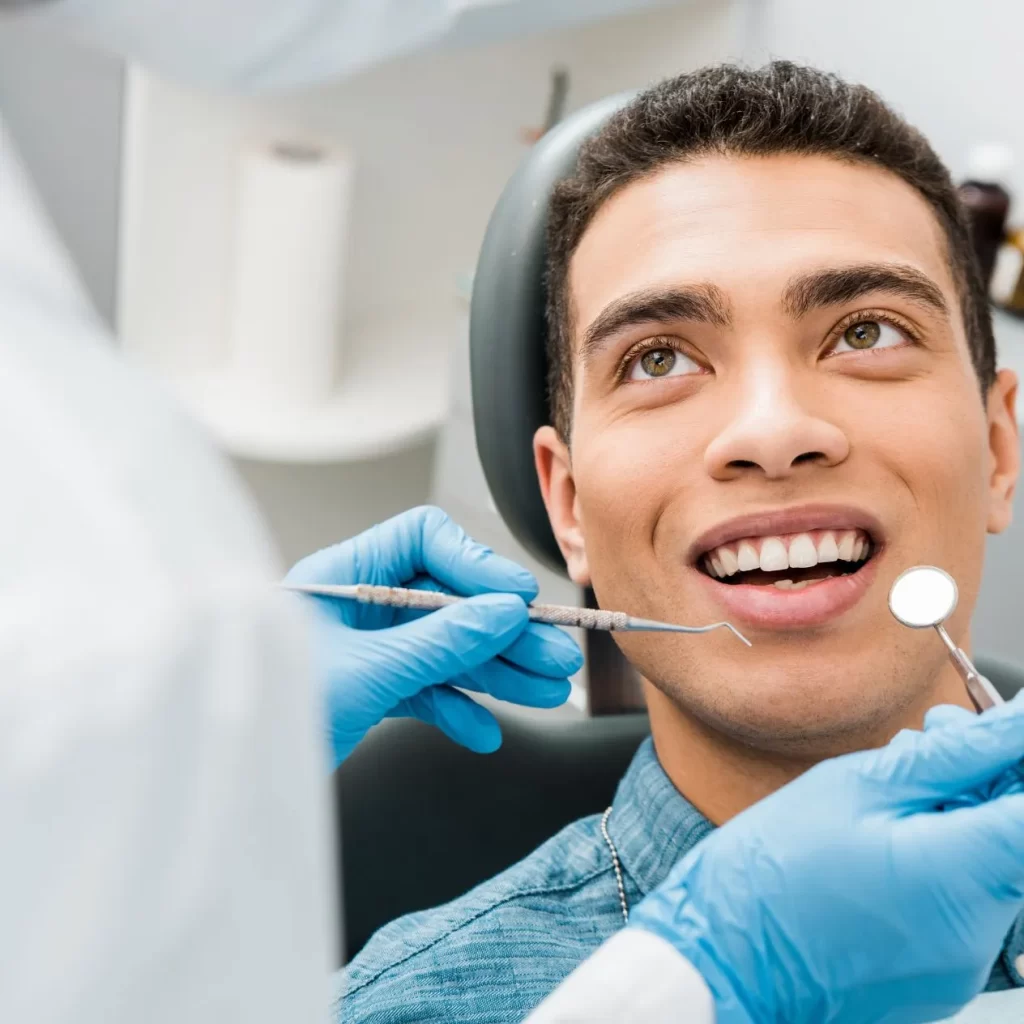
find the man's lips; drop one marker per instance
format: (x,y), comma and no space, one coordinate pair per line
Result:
(767,607)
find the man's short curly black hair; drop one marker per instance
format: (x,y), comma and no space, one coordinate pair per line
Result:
(780,108)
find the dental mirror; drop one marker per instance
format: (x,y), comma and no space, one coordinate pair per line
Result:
(925,596)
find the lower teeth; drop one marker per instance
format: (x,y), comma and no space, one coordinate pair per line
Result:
(790,585)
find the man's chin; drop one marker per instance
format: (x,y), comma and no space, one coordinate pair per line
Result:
(811,719)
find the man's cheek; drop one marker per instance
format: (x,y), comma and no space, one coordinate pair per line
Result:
(625,569)
(622,487)
(642,450)
(939,460)
(944,460)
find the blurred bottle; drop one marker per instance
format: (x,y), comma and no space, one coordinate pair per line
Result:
(1008,280)
(987,203)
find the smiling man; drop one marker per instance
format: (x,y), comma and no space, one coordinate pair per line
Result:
(773,389)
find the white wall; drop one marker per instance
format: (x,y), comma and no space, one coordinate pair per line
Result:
(62,103)
(951,68)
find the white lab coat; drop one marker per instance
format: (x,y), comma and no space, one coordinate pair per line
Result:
(165,832)
(166,852)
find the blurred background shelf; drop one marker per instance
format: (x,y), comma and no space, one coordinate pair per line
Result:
(393,395)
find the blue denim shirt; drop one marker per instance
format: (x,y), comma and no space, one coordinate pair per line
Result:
(494,954)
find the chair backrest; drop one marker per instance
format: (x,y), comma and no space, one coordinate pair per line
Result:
(508,329)
(1007,678)
(424,820)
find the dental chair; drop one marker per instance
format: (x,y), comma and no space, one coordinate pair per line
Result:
(423,819)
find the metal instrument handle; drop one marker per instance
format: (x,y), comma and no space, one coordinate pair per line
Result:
(982,695)
(400,597)
(583,618)
(979,689)
(429,600)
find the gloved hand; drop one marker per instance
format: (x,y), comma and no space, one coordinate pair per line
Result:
(1009,782)
(851,895)
(382,662)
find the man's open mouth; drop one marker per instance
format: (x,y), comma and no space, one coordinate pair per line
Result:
(792,568)
(789,561)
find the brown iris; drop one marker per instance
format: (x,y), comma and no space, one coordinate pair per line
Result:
(658,361)
(863,334)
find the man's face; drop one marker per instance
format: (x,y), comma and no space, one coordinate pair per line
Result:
(771,370)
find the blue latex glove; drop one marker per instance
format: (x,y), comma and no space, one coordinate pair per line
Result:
(850,895)
(1010,782)
(383,662)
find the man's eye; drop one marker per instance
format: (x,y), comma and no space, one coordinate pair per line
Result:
(656,363)
(869,334)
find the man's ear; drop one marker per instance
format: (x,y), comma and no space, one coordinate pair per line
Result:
(554,471)
(1004,450)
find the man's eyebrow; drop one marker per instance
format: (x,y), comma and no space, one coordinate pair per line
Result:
(701,303)
(842,284)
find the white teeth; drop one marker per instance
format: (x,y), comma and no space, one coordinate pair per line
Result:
(804,583)
(773,555)
(746,557)
(827,549)
(802,552)
(847,546)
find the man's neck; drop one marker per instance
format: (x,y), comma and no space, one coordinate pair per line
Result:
(721,776)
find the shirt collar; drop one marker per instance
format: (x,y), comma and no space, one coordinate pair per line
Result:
(652,824)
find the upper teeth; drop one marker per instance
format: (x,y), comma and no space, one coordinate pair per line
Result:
(799,551)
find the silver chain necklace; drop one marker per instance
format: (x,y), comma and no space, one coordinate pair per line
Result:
(615,864)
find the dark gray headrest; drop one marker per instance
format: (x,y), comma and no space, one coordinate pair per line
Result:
(507,330)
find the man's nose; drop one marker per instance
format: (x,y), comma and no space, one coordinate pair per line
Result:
(774,426)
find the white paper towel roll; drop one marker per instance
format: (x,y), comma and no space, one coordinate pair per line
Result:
(287,303)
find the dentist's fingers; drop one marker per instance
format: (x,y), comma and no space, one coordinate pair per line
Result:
(418,543)
(935,718)
(459,717)
(992,834)
(447,643)
(943,762)
(541,648)
(545,650)
(506,682)
(946,714)
(436,545)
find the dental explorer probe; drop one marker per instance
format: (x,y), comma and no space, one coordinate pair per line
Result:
(926,596)
(554,614)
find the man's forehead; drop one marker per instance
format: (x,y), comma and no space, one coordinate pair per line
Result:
(748,225)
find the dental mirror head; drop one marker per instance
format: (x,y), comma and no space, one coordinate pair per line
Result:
(923,596)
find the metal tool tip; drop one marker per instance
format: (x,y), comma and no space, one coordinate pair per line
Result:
(739,635)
